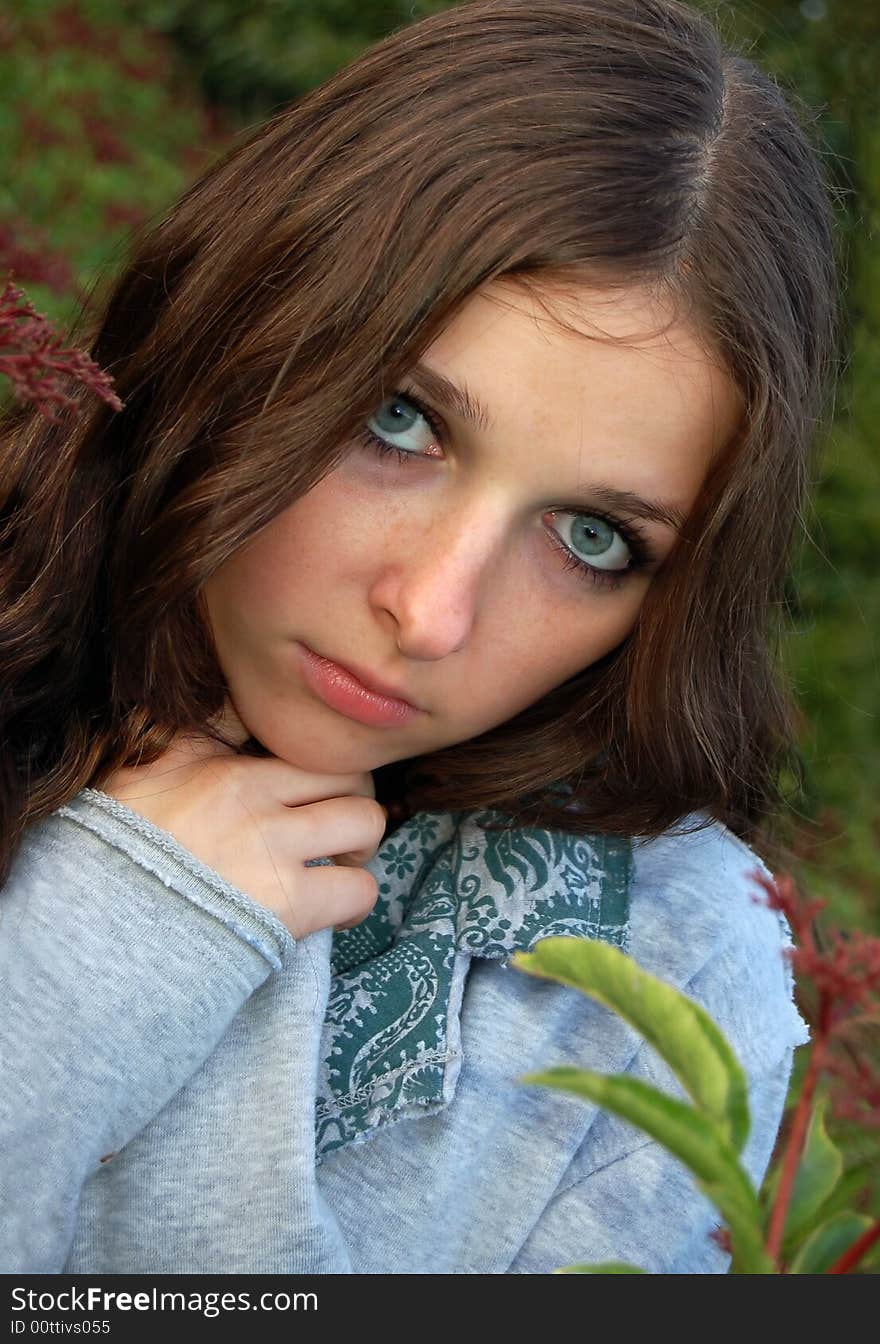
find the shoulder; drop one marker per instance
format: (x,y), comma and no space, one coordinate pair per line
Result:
(699,920)
(692,891)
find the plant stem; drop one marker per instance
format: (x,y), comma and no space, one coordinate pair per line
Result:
(797,1134)
(859,1248)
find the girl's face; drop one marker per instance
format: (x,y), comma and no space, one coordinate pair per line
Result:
(474,564)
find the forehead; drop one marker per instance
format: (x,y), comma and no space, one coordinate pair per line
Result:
(619,360)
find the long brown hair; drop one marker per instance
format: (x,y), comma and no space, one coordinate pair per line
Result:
(274,305)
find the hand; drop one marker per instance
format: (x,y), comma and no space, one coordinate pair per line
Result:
(257,821)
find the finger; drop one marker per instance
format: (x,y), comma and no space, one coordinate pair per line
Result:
(334,826)
(355,858)
(334,897)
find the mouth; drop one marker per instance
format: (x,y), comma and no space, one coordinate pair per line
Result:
(355,693)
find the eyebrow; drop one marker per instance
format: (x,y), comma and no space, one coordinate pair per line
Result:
(451,396)
(462,403)
(633,506)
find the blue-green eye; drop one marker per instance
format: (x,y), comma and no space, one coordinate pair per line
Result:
(398,417)
(595,541)
(602,551)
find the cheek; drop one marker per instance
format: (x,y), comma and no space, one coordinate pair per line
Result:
(297,553)
(325,532)
(553,642)
(243,590)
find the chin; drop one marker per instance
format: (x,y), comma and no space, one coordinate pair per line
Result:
(316,757)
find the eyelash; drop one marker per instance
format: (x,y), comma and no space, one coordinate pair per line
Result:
(637,544)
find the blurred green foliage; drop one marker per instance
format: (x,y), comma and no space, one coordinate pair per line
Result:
(100,127)
(110,108)
(254,55)
(828,52)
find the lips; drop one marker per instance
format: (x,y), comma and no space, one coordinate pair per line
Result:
(368,681)
(342,690)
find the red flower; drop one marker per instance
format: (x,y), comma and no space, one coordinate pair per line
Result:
(33,357)
(844,977)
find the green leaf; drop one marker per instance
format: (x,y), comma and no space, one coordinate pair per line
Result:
(828,1243)
(698,1141)
(607,1267)
(851,1184)
(818,1173)
(677,1027)
(854,1181)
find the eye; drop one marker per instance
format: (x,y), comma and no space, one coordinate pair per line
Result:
(595,542)
(401,425)
(602,551)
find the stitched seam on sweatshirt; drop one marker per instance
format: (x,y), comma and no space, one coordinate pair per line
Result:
(582,1180)
(253,940)
(174,848)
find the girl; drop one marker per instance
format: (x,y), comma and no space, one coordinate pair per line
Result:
(467,413)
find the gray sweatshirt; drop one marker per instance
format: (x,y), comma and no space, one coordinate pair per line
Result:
(186,1088)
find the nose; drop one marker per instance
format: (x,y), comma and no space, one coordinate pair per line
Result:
(435,580)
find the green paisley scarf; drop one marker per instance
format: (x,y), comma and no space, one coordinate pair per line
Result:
(449,891)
